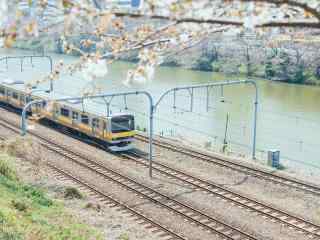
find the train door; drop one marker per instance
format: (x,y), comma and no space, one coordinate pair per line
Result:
(108,129)
(15,99)
(22,100)
(104,128)
(55,111)
(95,126)
(2,93)
(9,93)
(75,118)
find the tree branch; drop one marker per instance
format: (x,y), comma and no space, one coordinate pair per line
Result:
(179,20)
(292,3)
(291,24)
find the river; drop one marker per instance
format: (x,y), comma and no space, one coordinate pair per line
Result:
(288,116)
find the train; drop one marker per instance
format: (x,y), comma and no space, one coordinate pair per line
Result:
(115,132)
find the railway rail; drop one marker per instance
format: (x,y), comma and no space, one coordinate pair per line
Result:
(189,213)
(112,202)
(258,173)
(300,224)
(270,212)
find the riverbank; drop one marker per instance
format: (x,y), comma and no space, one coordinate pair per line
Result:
(36,204)
(234,57)
(26,212)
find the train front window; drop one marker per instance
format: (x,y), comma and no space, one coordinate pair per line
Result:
(122,124)
(2,91)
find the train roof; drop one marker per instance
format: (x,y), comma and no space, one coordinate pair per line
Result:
(97,107)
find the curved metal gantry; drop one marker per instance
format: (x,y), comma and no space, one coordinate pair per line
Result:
(207,86)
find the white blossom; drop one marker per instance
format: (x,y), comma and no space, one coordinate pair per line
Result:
(94,69)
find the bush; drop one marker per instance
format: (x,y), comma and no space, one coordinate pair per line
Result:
(19,205)
(243,69)
(203,64)
(71,192)
(269,70)
(216,67)
(6,169)
(37,196)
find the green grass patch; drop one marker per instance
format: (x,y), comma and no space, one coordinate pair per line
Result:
(6,167)
(124,236)
(26,213)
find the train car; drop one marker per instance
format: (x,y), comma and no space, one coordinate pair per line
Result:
(116,132)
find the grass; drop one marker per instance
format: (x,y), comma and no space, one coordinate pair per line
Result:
(123,236)
(26,212)
(6,168)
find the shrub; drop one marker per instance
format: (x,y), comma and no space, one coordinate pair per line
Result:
(2,218)
(269,70)
(216,66)
(203,64)
(37,196)
(19,205)
(71,192)
(6,169)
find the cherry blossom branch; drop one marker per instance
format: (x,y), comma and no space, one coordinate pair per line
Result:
(290,24)
(135,47)
(179,20)
(191,44)
(292,3)
(158,31)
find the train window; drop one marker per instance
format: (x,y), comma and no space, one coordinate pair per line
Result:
(9,93)
(64,112)
(15,95)
(95,122)
(75,116)
(2,91)
(122,124)
(84,119)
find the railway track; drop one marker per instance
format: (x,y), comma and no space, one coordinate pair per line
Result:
(112,202)
(258,173)
(155,227)
(266,210)
(300,224)
(189,213)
